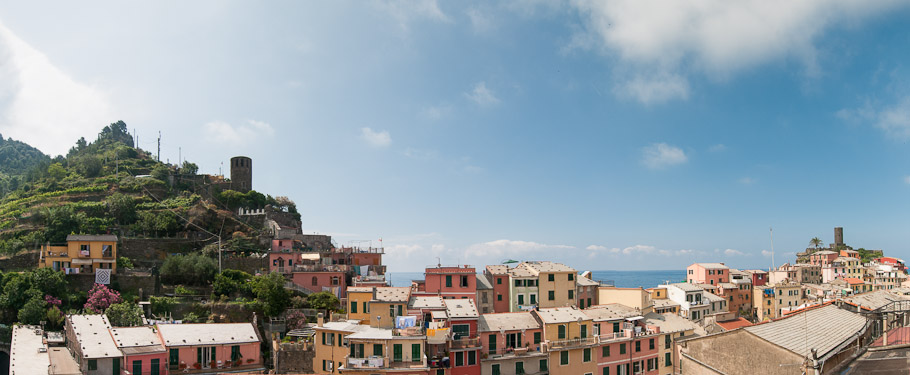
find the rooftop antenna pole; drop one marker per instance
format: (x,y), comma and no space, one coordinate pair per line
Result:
(159,145)
(772,247)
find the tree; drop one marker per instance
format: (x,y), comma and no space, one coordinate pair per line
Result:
(60,222)
(195,269)
(90,166)
(815,242)
(124,314)
(122,208)
(55,317)
(323,301)
(48,281)
(269,289)
(161,173)
(189,168)
(162,305)
(100,298)
(296,320)
(230,282)
(116,132)
(56,171)
(33,312)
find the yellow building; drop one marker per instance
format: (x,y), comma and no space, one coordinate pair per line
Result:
(569,340)
(388,303)
(329,347)
(633,297)
(556,283)
(81,254)
(382,351)
(359,298)
(770,300)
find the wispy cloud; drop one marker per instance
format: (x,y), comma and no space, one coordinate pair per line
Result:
(482,96)
(407,11)
(500,248)
(436,112)
(634,250)
(223,132)
(377,139)
(481,21)
(662,155)
(733,252)
(720,147)
(893,120)
(679,39)
(42,105)
(746,180)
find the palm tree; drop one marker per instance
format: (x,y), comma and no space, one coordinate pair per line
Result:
(815,242)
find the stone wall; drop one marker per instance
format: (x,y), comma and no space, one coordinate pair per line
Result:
(295,358)
(21,261)
(249,264)
(148,252)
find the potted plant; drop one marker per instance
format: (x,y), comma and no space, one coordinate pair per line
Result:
(212,364)
(182,366)
(197,365)
(250,360)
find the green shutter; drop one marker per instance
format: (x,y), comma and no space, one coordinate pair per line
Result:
(199,350)
(175,356)
(492,346)
(353,307)
(396,353)
(562,332)
(543,365)
(415,353)
(156,364)
(377,350)
(213,355)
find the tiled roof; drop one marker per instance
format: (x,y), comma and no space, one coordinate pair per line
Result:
(483,283)
(207,334)
(612,311)
(547,266)
(87,237)
(878,298)
(734,324)
(93,336)
(392,294)
(713,266)
(823,329)
(523,270)
(498,269)
(345,326)
(426,302)
(460,308)
(665,302)
(507,322)
(853,280)
(561,315)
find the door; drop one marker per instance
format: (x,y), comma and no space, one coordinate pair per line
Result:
(174,358)
(115,367)
(396,353)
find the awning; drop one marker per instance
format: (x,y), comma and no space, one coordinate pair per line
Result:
(439,315)
(634,318)
(81,261)
(309,256)
(103,261)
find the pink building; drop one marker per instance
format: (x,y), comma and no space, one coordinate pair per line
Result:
(465,347)
(708,273)
(822,258)
(456,282)
(499,277)
(759,277)
(511,341)
(316,281)
(219,347)
(142,350)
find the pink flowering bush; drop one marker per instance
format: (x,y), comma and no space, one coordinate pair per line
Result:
(100,298)
(51,300)
(295,320)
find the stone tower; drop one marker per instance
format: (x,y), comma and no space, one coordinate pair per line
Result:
(838,236)
(241,174)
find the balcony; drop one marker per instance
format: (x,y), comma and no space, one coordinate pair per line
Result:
(571,343)
(466,343)
(613,336)
(378,362)
(369,362)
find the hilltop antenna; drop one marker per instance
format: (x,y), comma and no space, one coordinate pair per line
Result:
(159,145)
(772,247)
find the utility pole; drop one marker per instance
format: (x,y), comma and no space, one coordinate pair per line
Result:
(772,247)
(159,145)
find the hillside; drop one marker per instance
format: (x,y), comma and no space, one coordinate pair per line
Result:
(16,158)
(109,186)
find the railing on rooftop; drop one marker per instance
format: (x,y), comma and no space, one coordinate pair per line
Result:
(465,343)
(571,343)
(611,336)
(606,282)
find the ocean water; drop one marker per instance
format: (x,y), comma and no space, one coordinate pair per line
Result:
(622,279)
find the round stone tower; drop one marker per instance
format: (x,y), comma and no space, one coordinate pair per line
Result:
(241,174)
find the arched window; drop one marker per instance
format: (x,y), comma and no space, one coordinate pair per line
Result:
(315,280)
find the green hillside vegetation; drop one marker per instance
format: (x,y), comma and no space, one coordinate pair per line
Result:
(109,186)
(16,158)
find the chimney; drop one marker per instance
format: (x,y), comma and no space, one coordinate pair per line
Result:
(320,319)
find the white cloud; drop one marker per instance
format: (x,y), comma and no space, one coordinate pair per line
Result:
(509,248)
(636,249)
(720,147)
(766,253)
(654,88)
(481,21)
(374,138)
(907,180)
(223,132)
(893,120)
(42,105)
(746,180)
(436,113)
(733,252)
(596,248)
(481,95)
(661,155)
(407,11)
(714,38)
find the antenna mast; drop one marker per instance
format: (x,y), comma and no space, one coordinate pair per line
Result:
(772,247)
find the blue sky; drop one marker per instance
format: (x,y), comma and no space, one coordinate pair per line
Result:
(605,135)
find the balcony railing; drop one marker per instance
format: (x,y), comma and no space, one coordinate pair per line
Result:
(465,343)
(369,362)
(379,362)
(571,343)
(610,336)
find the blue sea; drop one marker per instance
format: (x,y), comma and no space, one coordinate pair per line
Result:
(622,279)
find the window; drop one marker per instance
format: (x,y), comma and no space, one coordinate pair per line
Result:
(606,371)
(637,346)
(519,368)
(667,361)
(537,337)
(392,310)
(174,358)
(622,348)
(464,281)
(605,351)
(155,366)
(571,294)
(315,280)
(460,330)
(586,355)
(495,368)
(106,251)
(564,358)
(499,297)
(399,310)
(616,327)
(377,350)
(334,280)
(562,332)
(492,345)
(667,342)
(459,359)
(92,363)
(551,295)
(651,344)
(533,299)
(499,280)
(366,308)
(543,365)
(551,277)
(472,358)
(415,353)
(353,307)
(584,331)
(235,352)
(396,353)
(636,367)
(518,283)
(448,281)
(521,299)
(571,277)
(137,367)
